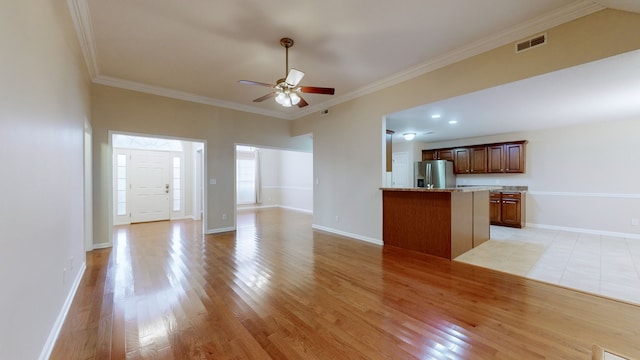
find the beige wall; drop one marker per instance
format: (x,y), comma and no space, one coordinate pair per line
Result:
(133,112)
(348,142)
(44,101)
(579,177)
(287,179)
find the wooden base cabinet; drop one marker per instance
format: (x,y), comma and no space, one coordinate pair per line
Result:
(507,209)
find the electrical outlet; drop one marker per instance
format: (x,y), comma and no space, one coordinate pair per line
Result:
(635,222)
(224,216)
(71,263)
(337,218)
(64,276)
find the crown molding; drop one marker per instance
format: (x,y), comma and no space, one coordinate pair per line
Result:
(542,23)
(80,13)
(181,95)
(79,10)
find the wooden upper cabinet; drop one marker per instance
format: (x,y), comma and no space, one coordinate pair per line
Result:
(461,161)
(478,160)
(514,158)
(441,154)
(495,158)
(481,159)
(507,157)
(446,154)
(429,155)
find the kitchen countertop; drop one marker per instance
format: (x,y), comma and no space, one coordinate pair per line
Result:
(503,188)
(447,190)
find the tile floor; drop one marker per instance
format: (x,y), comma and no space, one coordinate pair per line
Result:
(608,266)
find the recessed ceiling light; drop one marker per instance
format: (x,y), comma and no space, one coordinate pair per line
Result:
(435,116)
(453,122)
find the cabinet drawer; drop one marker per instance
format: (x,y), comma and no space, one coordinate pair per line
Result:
(508,195)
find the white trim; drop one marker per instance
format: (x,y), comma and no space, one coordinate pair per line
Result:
(219,230)
(583,194)
(306,211)
(57,326)
(186,217)
(586,231)
(347,234)
(182,95)
(102,246)
(82,21)
(288,187)
(84,29)
(253,207)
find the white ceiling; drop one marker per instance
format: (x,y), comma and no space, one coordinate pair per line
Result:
(197,50)
(606,89)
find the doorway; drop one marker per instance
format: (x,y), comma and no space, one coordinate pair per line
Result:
(400,170)
(267,177)
(156,179)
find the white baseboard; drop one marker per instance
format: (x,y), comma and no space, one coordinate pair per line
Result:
(347,234)
(296,209)
(181,218)
(57,326)
(253,207)
(586,231)
(220,230)
(101,246)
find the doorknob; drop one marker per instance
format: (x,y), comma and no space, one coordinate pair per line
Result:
(166,188)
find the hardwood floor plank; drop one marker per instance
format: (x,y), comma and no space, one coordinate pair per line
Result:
(277,289)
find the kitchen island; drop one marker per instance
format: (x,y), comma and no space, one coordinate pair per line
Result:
(440,222)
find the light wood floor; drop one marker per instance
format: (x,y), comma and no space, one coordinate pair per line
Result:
(276,289)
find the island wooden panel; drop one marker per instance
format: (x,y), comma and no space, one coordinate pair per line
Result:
(442,224)
(481,217)
(461,223)
(419,221)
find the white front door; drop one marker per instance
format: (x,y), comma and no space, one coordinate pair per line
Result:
(150,186)
(400,169)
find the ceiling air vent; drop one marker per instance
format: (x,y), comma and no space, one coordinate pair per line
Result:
(531,43)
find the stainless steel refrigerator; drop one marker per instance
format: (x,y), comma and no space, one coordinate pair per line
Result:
(435,174)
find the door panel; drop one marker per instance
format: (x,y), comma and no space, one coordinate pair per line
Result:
(400,169)
(150,189)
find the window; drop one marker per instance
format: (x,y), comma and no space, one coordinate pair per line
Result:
(245,175)
(177,189)
(121,184)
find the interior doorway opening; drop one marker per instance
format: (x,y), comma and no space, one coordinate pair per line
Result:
(156,178)
(268,177)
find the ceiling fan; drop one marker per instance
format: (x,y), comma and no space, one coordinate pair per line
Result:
(286,91)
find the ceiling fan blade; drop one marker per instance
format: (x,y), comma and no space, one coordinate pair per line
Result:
(302,102)
(263,98)
(317,90)
(294,77)
(249,82)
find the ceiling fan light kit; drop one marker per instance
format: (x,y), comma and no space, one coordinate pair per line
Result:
(287,92)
